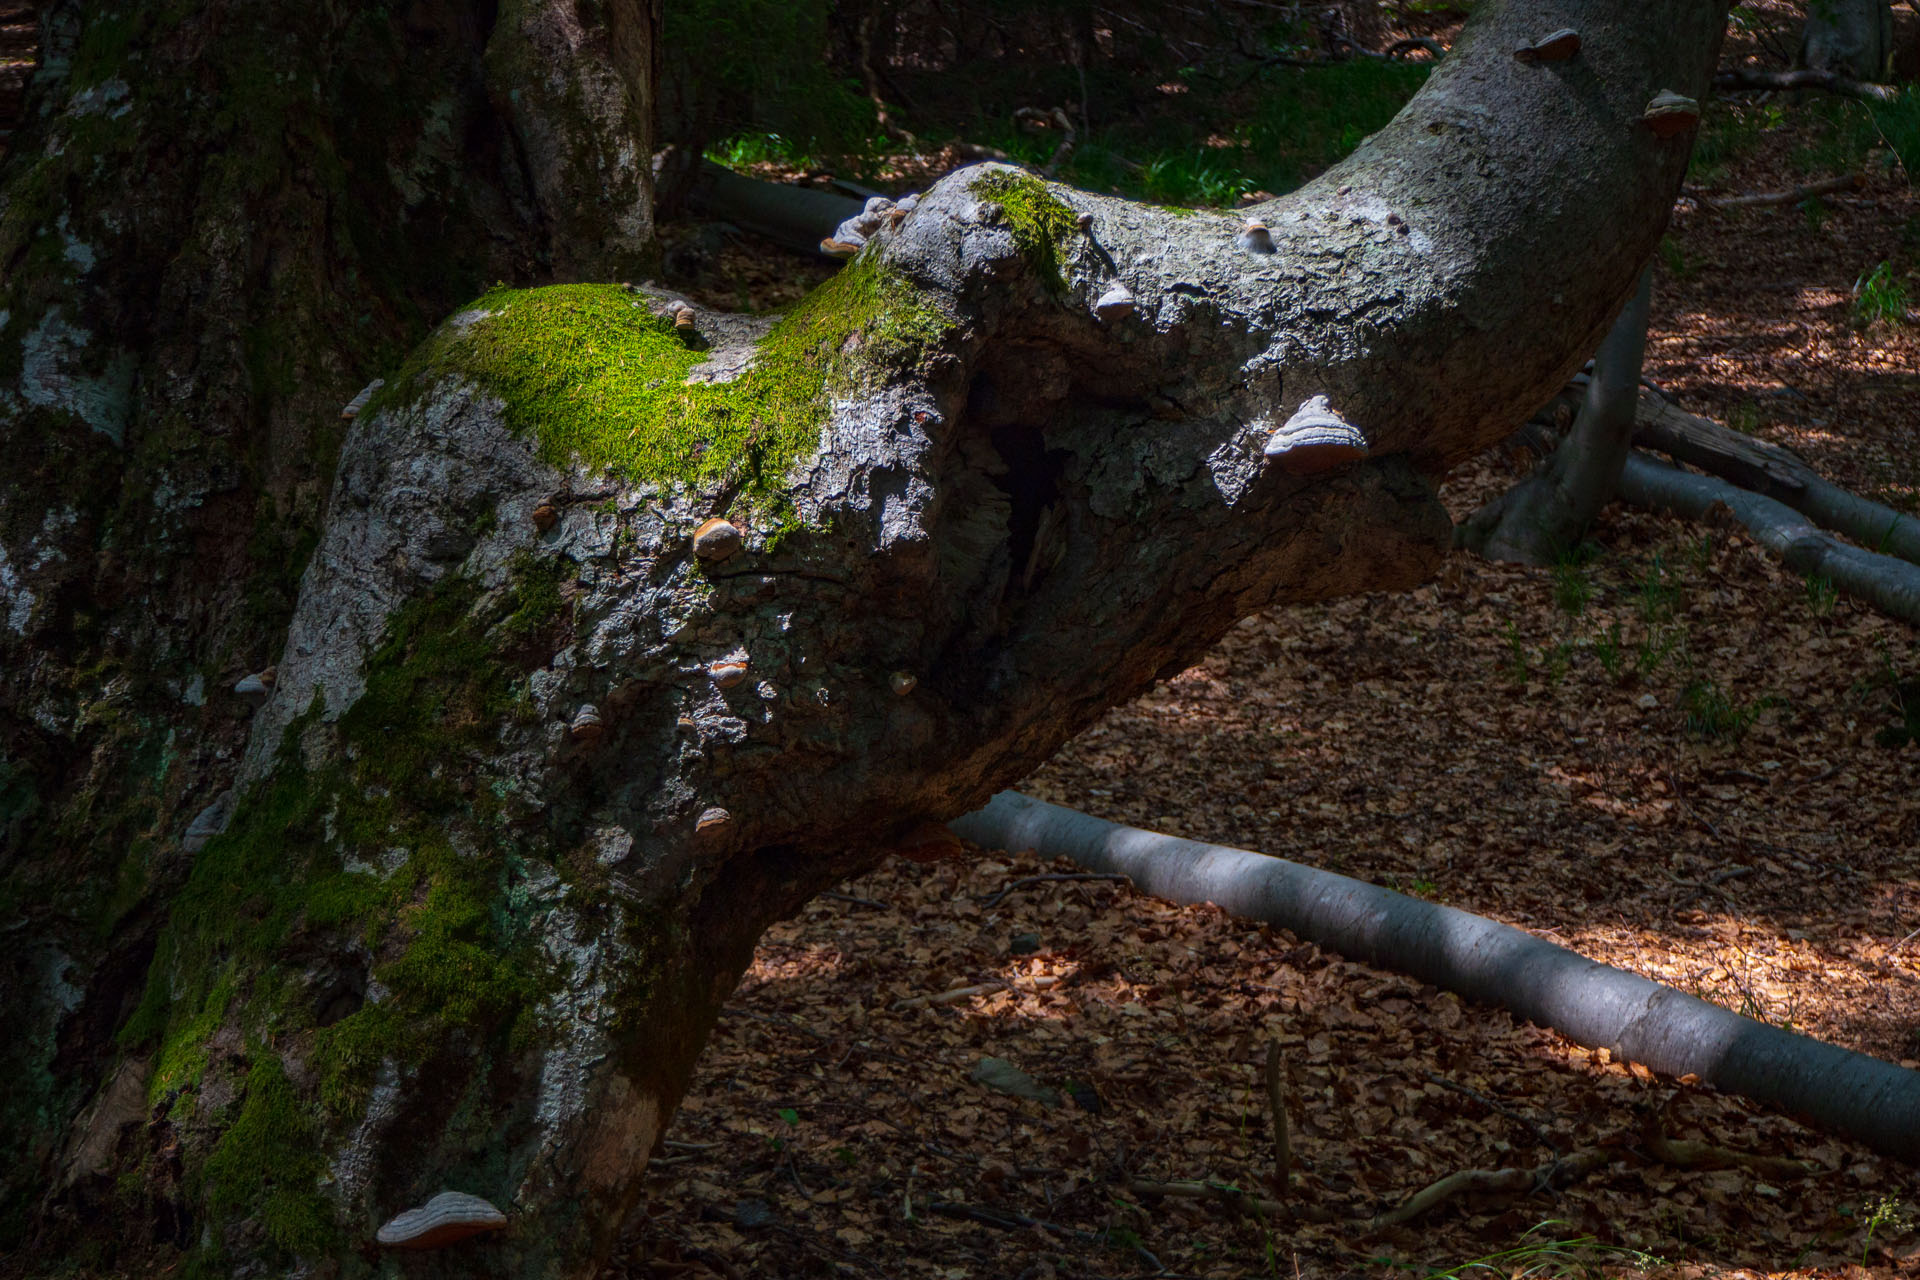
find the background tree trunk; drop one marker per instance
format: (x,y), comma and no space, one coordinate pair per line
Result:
(548,748)
(1852,38)
(217,221)
(1545,516)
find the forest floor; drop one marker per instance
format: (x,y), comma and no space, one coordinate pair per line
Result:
(1667,754)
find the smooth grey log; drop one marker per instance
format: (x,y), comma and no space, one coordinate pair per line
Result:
(1834,1089)
(1890,585)
(796,218)
(1773,472)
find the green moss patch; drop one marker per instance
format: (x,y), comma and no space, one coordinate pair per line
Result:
(593,374)
(1040,222)
(274,893)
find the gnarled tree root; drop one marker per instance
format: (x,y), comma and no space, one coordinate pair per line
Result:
(1833,1089)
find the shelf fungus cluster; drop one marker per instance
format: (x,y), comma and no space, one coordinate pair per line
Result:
(1316,439)
(879,214)
(446,1219)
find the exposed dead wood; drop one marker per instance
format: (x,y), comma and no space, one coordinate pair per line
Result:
(1889,584)
(1776,473)
(1805,78)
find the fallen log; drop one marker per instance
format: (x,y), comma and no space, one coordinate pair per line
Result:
(1805,78)
(1889,584)
(1773,472)
(1833,1089)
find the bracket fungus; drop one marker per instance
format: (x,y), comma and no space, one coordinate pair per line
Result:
(359,402)
(903,683)
(587,727)
(449,1217)
(1116,303)
(684,318)
(716,539)
(712,821)
(1316,439)
(257,685)
(727,672)
(1255,238)
(545,516)
(1556,46)
(1670,114)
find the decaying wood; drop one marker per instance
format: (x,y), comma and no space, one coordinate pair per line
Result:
(1889,584)
(1834,1089)
(1775,473)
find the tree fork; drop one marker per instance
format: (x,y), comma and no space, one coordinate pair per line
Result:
(625,635)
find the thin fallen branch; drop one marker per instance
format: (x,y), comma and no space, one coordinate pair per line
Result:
(1794,195)
(993,899)
(1686,1154)
(1888,584)
(1042,983)
(1232,1198)
(1494,1181)
(1833,1089)
(1805,78)
(1275,1082)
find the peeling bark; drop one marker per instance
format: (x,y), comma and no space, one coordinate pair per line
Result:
(508,826)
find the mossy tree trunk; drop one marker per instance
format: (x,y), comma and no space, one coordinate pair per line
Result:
(548,748)
(217,221)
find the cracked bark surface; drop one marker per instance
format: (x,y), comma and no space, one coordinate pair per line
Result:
(449,940)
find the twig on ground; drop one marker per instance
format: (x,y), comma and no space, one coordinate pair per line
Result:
(993,899)
(1495,1107)
(875,903)
(1494,1181)
(1793,195)
(1277,1108)
(1041,983)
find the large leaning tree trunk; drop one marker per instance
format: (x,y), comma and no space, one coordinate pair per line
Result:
(633,626)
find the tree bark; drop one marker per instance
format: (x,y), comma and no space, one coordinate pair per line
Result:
(1545,516)
(548,747)
(1841,1092)
(1851,38)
